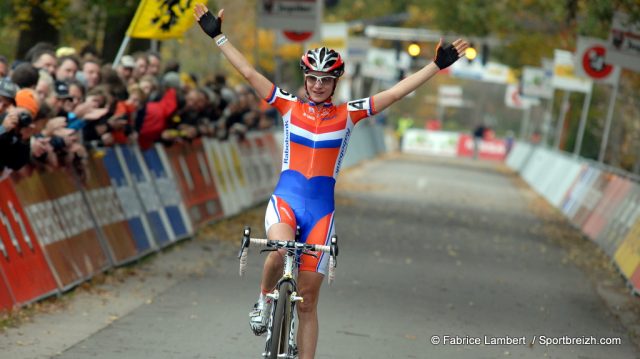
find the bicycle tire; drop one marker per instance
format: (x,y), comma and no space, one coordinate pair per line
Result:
(279,343)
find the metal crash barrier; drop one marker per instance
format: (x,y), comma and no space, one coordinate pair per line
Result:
(57,231)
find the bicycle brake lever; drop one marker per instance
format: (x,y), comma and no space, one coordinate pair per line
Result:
(310,254)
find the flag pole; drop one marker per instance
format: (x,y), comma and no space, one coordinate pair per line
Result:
(123,46)
(127,37)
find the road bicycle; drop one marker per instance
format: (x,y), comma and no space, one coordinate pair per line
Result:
(281,334)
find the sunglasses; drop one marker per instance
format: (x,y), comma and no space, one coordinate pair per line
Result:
(319,80)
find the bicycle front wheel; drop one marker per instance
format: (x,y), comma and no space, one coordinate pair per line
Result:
(279,343)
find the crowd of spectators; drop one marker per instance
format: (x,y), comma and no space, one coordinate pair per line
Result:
(59,105)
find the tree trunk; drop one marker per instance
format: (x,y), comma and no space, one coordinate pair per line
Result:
(40,30)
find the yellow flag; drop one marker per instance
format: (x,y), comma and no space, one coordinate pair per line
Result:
(162,19)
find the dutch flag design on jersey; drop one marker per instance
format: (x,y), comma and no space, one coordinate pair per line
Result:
(316,135)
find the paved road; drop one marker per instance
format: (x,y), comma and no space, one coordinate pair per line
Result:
(428,248)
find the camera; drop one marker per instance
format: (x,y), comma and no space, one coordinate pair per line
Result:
(24,120)
(57,143)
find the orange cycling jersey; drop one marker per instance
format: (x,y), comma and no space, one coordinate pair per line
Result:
(315,142)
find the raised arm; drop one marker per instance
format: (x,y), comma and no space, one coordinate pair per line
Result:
(445,56)
(212,26)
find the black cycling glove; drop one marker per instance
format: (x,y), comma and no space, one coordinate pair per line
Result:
(446,55)
(211,24)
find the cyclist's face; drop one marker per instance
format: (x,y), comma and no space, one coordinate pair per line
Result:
(319,85)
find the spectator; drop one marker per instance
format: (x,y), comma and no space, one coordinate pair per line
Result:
(97,130)
(4,67)
(65,51)
(192,118)
(89,52)
(67,68)
(76,95)
(122,122)
(25,75)
(157,113)
(7,95)
(115,84)
(27,99)
(60,104)
(46,60)
(44,87)
(154,63)
(125,68)
(478,136)
(149,85)
(16,140)
(91,73)
(141,64)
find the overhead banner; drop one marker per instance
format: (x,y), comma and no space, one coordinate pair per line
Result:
(623,46)
(590,55)
(536,82)
(290,15)
(161,19)
(564,74)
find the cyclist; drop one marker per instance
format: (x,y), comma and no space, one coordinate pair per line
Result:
(316,133)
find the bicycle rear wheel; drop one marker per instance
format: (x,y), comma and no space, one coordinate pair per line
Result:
(279,342)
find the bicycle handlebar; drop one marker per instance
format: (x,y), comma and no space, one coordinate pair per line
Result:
(332,249)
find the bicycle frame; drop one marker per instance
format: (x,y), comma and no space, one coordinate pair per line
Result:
(288,283)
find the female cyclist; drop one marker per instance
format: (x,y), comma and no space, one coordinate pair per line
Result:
(316,133)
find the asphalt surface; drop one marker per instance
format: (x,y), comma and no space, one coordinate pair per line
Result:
(435,256)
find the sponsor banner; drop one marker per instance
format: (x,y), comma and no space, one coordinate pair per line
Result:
(108,213)
(264,164)
(497,73)
(495,149)
(167,189)
(513,99)
(618,214)
(140,180)
(564,73)
(627,256)
(467,70)
(250,166)
(623,46)
(590,57)
(195,181)
(62,222)
(438,143)
(383,64)
(536,82)
(129,201)
(275,154)
(238,175)
(25,275)
(572,204)
(221,177)
(609,197)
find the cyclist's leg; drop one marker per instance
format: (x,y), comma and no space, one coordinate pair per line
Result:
(310,278)
(280,224)
(274,265)
(309,288)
